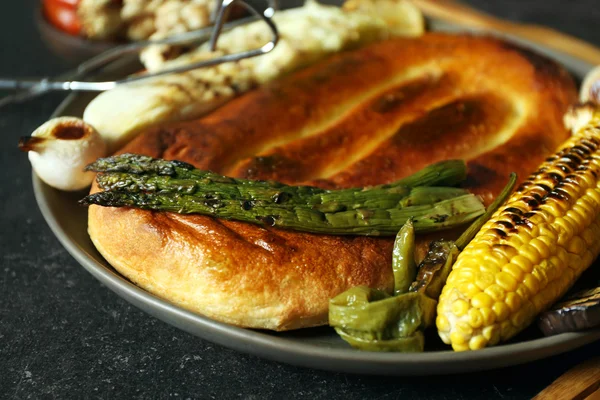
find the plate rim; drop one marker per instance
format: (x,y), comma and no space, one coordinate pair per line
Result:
(301,354)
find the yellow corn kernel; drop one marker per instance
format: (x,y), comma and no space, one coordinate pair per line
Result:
(496,292)
(460,307)
(465,275)
(504,250)
(588,257)
(475,318)
(576,221)
(532,283)
(457,338)
(563,255)
(484,280)
(522,291)
(514,271)
(442,322)
(565,230)
(513,301)
(477,342)
(530,252)
(506,281)
(515,241)
(488,316)
(541,247)
(520,318)
(594,195)
(482,300)
(523,262)
(491,333)
(576,245)
(506,329)
(589,237)
(460,346)
(501,310)
(464,328)
(469,289)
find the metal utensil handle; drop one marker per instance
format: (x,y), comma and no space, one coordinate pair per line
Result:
(29,88)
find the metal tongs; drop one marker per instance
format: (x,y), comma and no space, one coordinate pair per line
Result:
(73,80)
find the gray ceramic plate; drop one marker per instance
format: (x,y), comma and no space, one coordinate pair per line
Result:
(316,348)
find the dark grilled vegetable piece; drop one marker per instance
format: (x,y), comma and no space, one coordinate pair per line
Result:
(577,312)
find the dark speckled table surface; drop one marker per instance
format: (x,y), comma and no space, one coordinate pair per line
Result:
(64,335)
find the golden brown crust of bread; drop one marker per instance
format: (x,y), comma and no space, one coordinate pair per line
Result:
(360,118)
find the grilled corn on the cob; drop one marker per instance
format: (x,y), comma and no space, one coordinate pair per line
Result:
(531,251)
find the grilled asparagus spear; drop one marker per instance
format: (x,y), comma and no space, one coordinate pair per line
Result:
(147,183)
(135,173)
(443,173)
(330,218)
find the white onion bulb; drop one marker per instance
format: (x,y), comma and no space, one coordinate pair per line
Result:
(60,149)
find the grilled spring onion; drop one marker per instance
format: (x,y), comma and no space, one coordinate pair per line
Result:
(146,183)
(531,251)
(370,319)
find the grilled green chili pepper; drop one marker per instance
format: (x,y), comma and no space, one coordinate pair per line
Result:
(372,320)
(403,259)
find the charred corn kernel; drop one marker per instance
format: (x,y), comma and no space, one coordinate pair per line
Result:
(519,267)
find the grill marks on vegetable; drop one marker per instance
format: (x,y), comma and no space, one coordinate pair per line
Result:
(559,171)
(377,210)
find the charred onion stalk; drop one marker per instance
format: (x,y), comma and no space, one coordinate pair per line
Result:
(160,185)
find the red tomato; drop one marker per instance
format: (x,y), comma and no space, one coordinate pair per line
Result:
(63,15)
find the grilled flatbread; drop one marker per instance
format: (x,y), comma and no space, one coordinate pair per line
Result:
(359,118)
